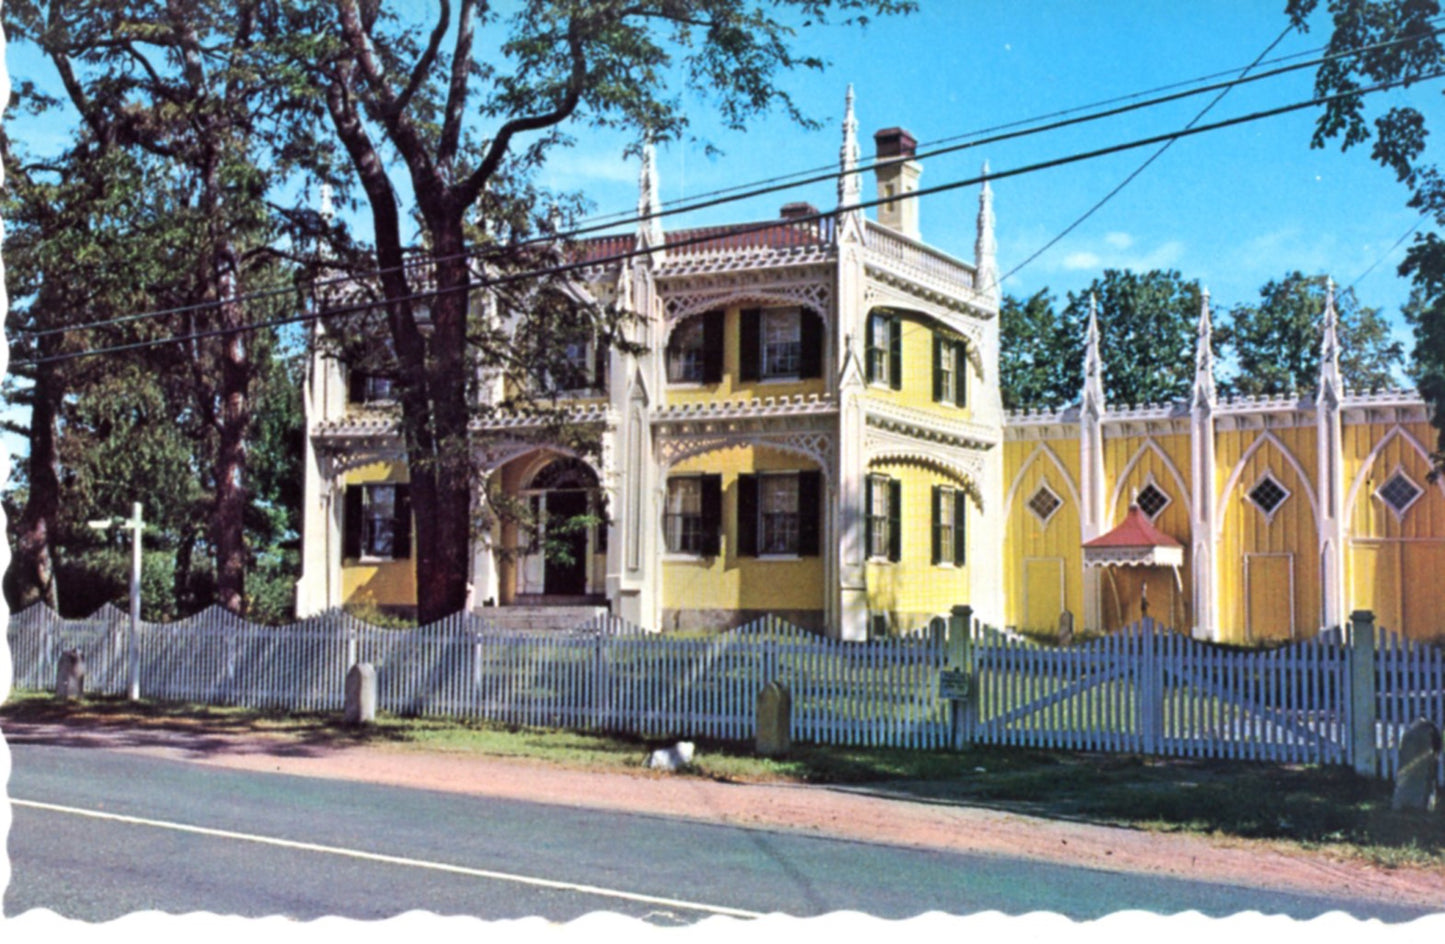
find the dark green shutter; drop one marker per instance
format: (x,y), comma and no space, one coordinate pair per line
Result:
(895,520)
(960,519)
(599,363)
(960,373)
(401,523)
(937,524)
(895,352)
(712,347)
(867,517)
(356,386)
(810,507)
(599,509)
(747,516)
(750,344)
(810,334)
(938,344)
(870,375)
(351,512)
(711,515)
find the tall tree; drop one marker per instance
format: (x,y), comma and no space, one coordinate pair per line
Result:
(1276,343)
(1146,334)
(471,104)
(1036,349)
(1401,44)
(184,81)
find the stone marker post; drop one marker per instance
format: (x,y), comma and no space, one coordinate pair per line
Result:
(1415,776)
(959,658)
(1066,628)
(775,720)
(360,694)
(70,675)
(1362,692)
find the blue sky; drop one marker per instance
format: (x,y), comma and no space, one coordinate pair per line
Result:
(1233,208)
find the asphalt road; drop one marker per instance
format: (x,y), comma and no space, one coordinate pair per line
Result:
(97,834)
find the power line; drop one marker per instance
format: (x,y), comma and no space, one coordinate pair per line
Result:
(1098,205)
(589,228)
(565,268)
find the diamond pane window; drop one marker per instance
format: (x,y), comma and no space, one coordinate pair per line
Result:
(1044,504)
(1268,494)
(1399,493)
(1152,500)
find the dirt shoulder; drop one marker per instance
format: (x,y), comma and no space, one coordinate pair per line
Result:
(861,814)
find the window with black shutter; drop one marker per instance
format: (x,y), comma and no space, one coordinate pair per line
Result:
(948,525)
(750,344)
(950,383)
(376,522)
(883,513)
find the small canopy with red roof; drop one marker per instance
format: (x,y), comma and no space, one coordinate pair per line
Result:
(1134,543)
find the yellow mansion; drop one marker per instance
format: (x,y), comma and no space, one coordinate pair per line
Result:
(813,429)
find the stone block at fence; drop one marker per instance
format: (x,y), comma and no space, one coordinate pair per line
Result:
(1066,628)
(70,675)
(775,720)
(360,694)
(1415,777)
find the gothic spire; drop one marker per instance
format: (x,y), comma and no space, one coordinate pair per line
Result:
(649,204)
(850,184)
(1093,365)
(985,247)
(1330,385)
(1204,393)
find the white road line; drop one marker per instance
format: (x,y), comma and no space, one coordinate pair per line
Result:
(393,860)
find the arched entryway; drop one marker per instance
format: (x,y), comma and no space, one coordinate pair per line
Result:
(563,497)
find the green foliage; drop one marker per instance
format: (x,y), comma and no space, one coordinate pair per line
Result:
(1146,334)
(1276,343)
(1037,350)
(1402,43)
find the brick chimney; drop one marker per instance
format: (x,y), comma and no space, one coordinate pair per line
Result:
(897,174)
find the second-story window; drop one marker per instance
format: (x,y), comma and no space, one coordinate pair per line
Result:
(780,344)
(885,350)
(950,379)
(695,350)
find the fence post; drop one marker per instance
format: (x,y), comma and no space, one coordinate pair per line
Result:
(959,658)
(1362,692)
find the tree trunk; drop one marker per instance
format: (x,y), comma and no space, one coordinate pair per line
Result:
(235,421)
(31,577)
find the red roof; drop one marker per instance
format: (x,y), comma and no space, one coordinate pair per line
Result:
(1136,530)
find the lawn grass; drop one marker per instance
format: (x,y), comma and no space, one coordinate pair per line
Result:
(1315,807)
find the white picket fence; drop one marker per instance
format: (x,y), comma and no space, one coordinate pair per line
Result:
(605,674)
(1145,689)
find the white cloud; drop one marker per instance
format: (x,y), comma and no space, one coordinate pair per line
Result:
(1119,252)
(1081,260)
(1119,240)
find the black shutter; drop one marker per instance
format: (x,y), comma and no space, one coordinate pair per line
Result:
(810,334)
(870,374)
(712,347)
(711,515)
(895,353)
(960,519)
(401,524)
(603,526)
(747,516)
(351,512)
(960,373)
(938,344)
(895,520)
(356,386)
(938,524)
(600,358)
(867,517)
(810,507)
(750,344)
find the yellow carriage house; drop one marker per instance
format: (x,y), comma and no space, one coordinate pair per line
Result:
(1247,520)
(812,429)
